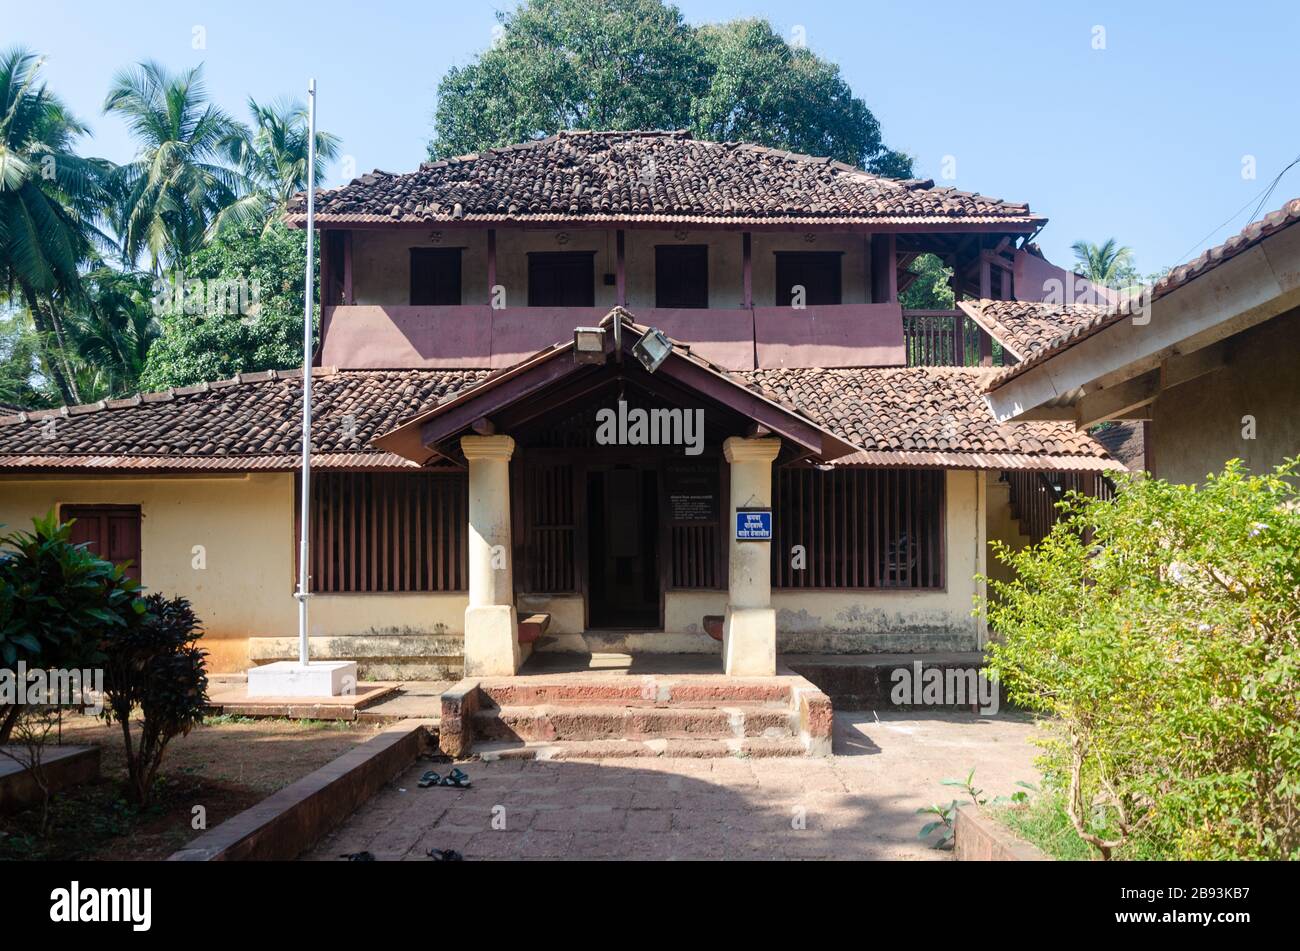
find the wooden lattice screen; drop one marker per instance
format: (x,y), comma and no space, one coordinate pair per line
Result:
(549,528)
(387,532)
(858,528)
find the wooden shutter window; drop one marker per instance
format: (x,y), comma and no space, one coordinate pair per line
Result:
(682,275)
(111,531)
(561,279)
(388,532)
(818,272)
(435,277)
(859,528)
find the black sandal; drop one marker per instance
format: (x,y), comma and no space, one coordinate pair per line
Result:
(457,778)
(358,856)
(430,778)
(445,855)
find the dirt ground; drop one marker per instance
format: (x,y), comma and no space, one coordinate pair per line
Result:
(225,766)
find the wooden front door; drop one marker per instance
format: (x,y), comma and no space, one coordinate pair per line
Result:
(111,531)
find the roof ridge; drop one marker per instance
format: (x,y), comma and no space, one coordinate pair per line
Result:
(162,396)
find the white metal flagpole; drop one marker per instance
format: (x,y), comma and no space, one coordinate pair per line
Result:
(304,512)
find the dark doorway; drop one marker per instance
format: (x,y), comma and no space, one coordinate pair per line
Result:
(622,548)
(681,275)
(435,277)
(111,531)
(561,279)
(817,272)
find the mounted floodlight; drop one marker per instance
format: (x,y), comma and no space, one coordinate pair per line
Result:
(588,345)
(652,349)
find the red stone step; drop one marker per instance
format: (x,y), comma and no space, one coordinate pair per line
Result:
(626,749)
(560,722)
(635,691)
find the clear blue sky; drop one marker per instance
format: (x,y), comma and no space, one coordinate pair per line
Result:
(1143,140)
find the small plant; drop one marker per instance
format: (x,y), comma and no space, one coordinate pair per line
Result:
(29,737)
(157,667)
(946,815)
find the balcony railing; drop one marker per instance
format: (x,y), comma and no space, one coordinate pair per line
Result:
(948,338)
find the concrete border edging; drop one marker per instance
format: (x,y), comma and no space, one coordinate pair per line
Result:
(64,767)
(288,822)
(981,838)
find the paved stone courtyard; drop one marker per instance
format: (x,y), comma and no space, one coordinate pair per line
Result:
(858,804)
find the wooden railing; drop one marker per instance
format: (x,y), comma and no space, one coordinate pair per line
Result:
(948,338)
(1034,495)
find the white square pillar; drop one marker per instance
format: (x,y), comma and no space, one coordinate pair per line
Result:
(749,629)
(491,629)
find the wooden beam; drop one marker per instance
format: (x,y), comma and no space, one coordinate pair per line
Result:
(893,269)
(747,257)
(620,276)
(1066,414)
(1182,368)
(347,268)
(325,299)
(1115,401)
(491,264)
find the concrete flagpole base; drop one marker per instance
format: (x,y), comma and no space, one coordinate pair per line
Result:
(289,678)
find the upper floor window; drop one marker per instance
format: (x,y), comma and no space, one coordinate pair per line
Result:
(682,275)
(435,276)
(561,279)
(817,272)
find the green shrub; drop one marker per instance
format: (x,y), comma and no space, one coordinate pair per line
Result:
(1160,630)
(157,667)
(57,602)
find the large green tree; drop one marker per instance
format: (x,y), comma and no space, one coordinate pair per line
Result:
(1108,264)
(271,158)
(49,197)
(170,195)
(240,309)
(637,64)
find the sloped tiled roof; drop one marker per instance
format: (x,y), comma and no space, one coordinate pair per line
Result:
(1124,443)
(927,416)
(248,423)
(1247,238)
(648,176)
(901,416)
(1026,327)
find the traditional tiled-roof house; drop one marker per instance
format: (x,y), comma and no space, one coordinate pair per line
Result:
(750,426)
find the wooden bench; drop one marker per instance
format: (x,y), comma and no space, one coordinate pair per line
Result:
(533,627)
(713,625)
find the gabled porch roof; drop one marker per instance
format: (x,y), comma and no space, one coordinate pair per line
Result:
(551,380)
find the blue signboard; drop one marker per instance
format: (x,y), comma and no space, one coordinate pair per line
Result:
(754,525)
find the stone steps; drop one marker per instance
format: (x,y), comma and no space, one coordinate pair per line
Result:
(573,722)
(589,715)
(642,748)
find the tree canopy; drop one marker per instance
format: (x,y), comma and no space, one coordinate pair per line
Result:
(637,64)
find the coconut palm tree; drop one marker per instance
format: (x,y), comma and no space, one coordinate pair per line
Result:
(112,332)
(1107,264)
(172,192)
(272,159)
(49,201)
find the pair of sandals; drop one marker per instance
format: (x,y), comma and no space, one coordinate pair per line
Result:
(455,778)
(438,855)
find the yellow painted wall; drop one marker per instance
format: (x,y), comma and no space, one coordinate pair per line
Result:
(244,524)
(1197,427)
(245,527)
(864,621)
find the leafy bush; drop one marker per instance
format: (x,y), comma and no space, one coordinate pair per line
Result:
(157,667)
(57,602)
(1161,631)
